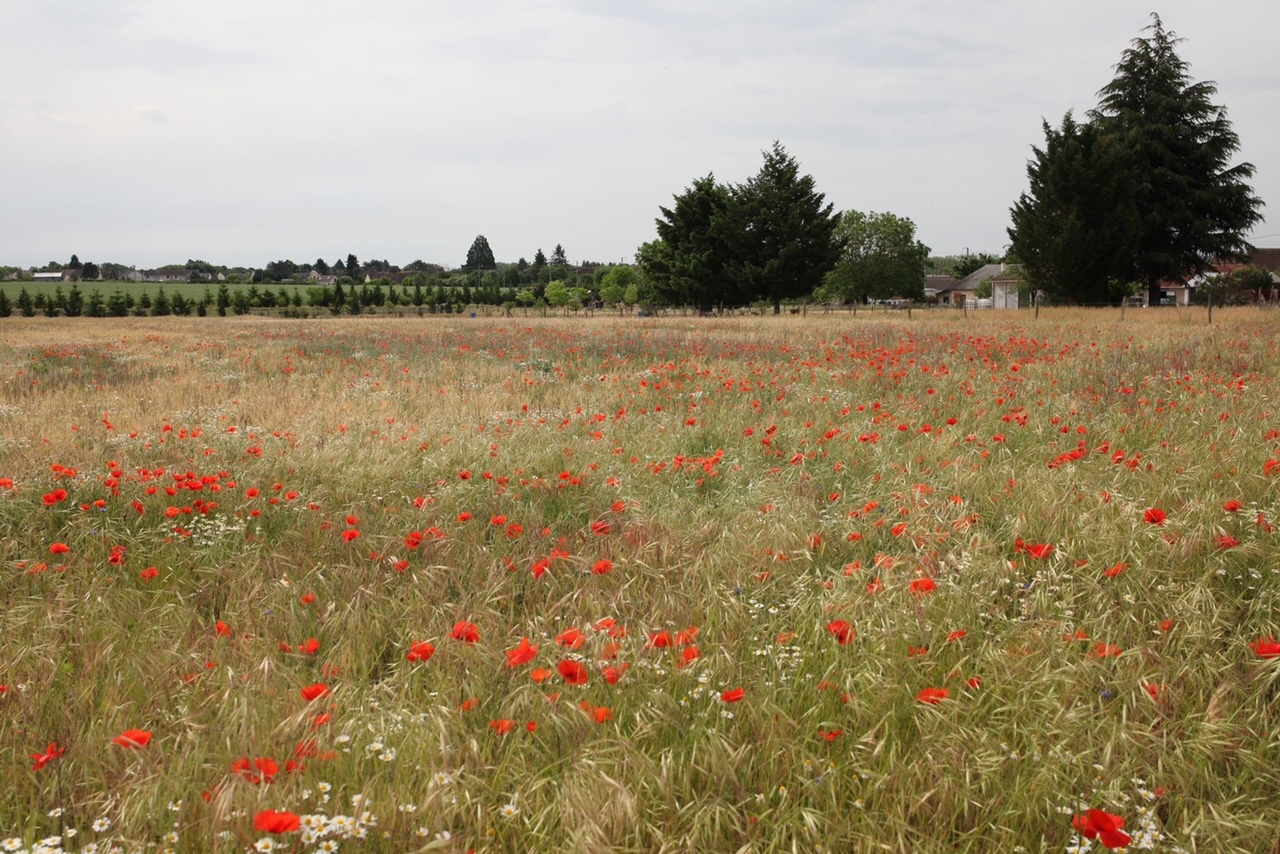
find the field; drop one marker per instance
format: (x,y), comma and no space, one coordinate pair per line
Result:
(754,584)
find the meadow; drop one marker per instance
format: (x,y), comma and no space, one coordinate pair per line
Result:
(984,583)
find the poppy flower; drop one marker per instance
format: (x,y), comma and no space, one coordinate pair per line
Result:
(272,821)
(923,586)
(1226,541)
(604,566)
(540,674)
(688,655)
(315,692)
(1039,551)
(1112,571)
(39,760)
(1266,647)
(523,654)
(421,651)
(957,635)
(503,726)
(59,549)
(149,573)
(348,536)
(933,696)
(1155,516)
(1233,506)
(574,672)
(571,637)
(223,630)
(613,674)
(1103,826)
(660,640)
(466,632)
(733,695)
(600,714)
(133,738)
(842,630)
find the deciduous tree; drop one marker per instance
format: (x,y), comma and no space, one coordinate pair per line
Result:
(881,258)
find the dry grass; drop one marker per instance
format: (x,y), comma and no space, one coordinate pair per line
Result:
(751,480)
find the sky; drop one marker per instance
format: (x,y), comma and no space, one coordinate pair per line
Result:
(239,132)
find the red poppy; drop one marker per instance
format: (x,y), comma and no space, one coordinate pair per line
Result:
(349,535)
(1266,647)
(1103,826)
(843,631)
(571,637)
(133,738)
(1155,516)
(574,672)
(733,695)
(260,770)
(149,573)
(271,821)
(1105,650)
(1226,541)
(39,760)
(523,654)
(600,714)
(223,630)
(604,566)
(503,726)
(421,651)
(957,635)
(613,674)
(540,674)
(59,549)
(1039,551)
(688,655)
(1233,506)
(660,640)
(315,692)
(923,586)
(933,696)
(466,632)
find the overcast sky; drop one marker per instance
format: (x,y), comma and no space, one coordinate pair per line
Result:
(244,131)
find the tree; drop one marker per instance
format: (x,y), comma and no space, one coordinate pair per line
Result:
(90,272)
(558,258)
(479,256)
(539,261)
(971,262)
(781,237)
(881,258)
(1195,207)
(613,287)
(689,262)
(74,263)
(321,268)
(74,306)
(353,267)
(26,304)
(6,306)
(1076,229)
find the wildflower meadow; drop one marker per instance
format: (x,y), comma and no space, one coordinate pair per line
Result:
(822,583)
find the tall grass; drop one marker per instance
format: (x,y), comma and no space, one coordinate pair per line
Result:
(750,483)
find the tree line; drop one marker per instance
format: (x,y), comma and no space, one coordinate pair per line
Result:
(1140,194)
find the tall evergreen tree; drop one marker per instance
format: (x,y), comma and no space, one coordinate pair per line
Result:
(782,238)
(689,263)
(479,256)
(1076,229)
(1195,207)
